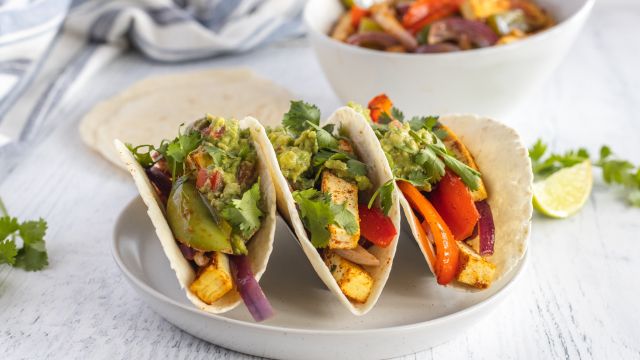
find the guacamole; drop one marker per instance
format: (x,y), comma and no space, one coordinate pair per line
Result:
(224,164)
(297,159)
(402,146)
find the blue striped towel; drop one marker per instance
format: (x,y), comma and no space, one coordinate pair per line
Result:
(48,47)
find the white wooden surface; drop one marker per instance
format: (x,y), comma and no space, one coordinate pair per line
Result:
(578,299)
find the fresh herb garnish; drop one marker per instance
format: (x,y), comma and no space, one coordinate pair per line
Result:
(300,116)
(32,256)
(614,171)
(142,157)
(318,212)
(177,150)
(244,213)
(385,191)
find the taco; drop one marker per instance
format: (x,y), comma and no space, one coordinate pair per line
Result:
(466,190)
(210,197)
(330,186)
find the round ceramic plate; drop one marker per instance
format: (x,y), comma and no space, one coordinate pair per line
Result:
(413,313)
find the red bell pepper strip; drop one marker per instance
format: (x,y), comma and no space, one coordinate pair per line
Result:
(454,203)
(378,105)
(375,226)
(357,13)
(423,12)
(446,265)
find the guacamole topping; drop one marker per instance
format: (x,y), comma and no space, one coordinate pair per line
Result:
(300,161)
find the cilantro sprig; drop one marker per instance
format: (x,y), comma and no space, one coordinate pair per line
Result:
(385,192)
(318,212)
(615,171)
(244,213)
(300,117)
(32,255)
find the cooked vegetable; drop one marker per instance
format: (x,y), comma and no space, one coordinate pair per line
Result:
(250,291)
(191,221)
(379,105)
(486,229)
(461,31)
(352,279)
(481,9)
(437,26)
(453,201)
(459,151)
(358,255)
(344,193)
(372,39)
(375,226)
(446,265)
(474,269)
(214,280)
(385,17)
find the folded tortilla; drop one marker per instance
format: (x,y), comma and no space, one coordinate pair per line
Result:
(505,166)
(368,150)
(260,246)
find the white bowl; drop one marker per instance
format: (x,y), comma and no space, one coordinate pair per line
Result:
(490,81)
(413,313)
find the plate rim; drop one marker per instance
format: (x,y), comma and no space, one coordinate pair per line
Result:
(518,273)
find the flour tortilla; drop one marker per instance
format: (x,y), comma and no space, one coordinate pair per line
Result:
(366,146)
(154,108)
(259,247)
(504,163)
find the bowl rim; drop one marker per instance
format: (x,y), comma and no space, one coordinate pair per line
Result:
(500,294)
(582,12)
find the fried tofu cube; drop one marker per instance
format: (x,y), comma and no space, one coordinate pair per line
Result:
(473,269)
(481,9)
(214,280)
(354,281)
(345,146)
(342,192)
(461,153)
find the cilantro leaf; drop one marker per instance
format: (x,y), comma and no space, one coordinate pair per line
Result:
(397,114)
(385,192)
(315,210)
(324,138)
(8,226)
(470,177)
(344,218)
(433,166)
(8,252)
(142,157)
(356,167)
(537,151)
(244,213)
(33,254)
(299,116)
(425,122)
(177,150)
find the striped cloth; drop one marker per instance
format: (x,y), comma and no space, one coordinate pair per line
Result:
(49,48)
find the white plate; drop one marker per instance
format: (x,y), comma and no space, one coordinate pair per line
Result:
(412,314)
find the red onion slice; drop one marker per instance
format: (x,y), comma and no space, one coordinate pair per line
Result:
(160,181)
(455,28)
(486,228)
(437,48)
(372,38)
(187,251)
(249,289)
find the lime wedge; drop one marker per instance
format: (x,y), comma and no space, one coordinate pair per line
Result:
(564,192)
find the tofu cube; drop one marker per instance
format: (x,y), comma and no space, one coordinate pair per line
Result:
(342,192)
(214,280)
(354,281)
(481,9)
(473,269)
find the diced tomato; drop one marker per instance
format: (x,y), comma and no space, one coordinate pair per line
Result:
(375,226)
(202,177)
(453,201)
(217,133)
(378,105)
(357,13)
(423,12)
